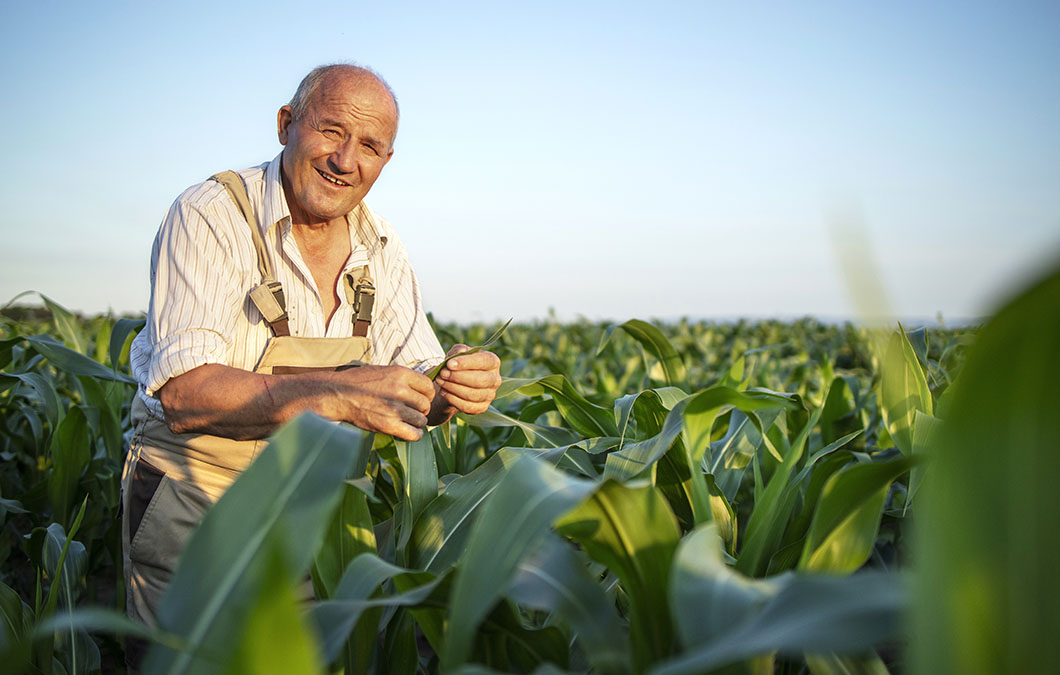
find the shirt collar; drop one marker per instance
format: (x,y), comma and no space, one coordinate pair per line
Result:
(276,212)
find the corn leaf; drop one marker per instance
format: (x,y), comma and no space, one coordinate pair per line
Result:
(75,363)
(656,344)
(903,390)
(433,372)
(441,533)
(632,531)
(120,339)
(987,585)
(276,638)
(530,496)
(67,325)
(588,419)
(553,579)
(286,495)
(724,617)
(355,597)
(847,518)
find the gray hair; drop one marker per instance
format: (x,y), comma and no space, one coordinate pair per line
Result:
(311,82)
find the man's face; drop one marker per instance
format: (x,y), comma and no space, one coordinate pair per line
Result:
(334,153)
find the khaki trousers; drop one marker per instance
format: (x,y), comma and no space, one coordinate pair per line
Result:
(171,480)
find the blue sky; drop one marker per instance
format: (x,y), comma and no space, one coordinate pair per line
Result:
(600,159)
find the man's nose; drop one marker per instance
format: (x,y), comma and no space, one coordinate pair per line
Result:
(344,158)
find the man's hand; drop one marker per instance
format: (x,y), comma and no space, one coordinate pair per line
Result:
(389,399)
(467,384)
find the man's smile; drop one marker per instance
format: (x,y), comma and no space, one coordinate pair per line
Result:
(331,179)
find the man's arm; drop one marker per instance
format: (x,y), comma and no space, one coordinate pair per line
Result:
(234,403)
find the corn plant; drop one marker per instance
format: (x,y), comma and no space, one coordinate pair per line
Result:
(681,498)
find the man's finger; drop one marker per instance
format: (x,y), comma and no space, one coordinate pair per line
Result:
(413,417)
(476,379)
(415,390)
(476,361)
(418,382)
(457,349)
(473,394)
(405,432)
(466,406)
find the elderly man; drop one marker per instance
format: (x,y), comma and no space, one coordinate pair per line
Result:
(267,286)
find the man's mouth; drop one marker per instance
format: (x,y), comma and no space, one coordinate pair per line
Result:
(331,179)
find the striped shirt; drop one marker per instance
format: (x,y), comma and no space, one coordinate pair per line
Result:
(203,265)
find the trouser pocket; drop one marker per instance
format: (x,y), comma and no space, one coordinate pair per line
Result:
(142,488)
(162,514)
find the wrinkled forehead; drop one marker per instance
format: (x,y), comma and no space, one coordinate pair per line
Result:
(359,96)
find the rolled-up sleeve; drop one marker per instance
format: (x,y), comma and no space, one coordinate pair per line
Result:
(198,291)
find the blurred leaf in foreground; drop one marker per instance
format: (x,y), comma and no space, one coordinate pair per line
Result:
(989,593)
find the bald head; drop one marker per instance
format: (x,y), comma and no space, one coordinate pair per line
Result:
(324,76)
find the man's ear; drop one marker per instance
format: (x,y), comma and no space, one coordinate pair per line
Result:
(283,122)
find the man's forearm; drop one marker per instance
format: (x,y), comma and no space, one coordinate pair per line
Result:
(234,403)
(238,404)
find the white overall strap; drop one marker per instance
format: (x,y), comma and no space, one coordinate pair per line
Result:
(268,296)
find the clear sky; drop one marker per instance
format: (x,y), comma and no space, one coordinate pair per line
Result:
(603,159)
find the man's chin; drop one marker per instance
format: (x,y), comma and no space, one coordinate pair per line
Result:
(329,209)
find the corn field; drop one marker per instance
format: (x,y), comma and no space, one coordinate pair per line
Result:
(641,498)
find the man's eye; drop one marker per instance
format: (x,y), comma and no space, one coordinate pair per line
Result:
(370,148)
(332,133)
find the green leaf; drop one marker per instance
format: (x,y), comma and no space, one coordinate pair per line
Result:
(659,402)
(354,598)
(67,325)
(926,434)
(700,414)
(421,484)
(553,579)
(505,643)
(832,664)
(807,614)
(99,620)
(73,362)
(433,373)
(656,344)
(286,495)
(14,617)
(587,419)
(348,535)
(725,617)
(530,496)
(45,393)
(706,597)
(535,434)
(637,459)
(988,554)
(107,399)
(120,336)
(64,561)
(903,390)
(400,652)
(275,638)
(70,451)
(773,507)
(632,531)
(441,533)
(847,518)
(838,417)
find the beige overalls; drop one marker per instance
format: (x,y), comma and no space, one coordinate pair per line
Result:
(170,480)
